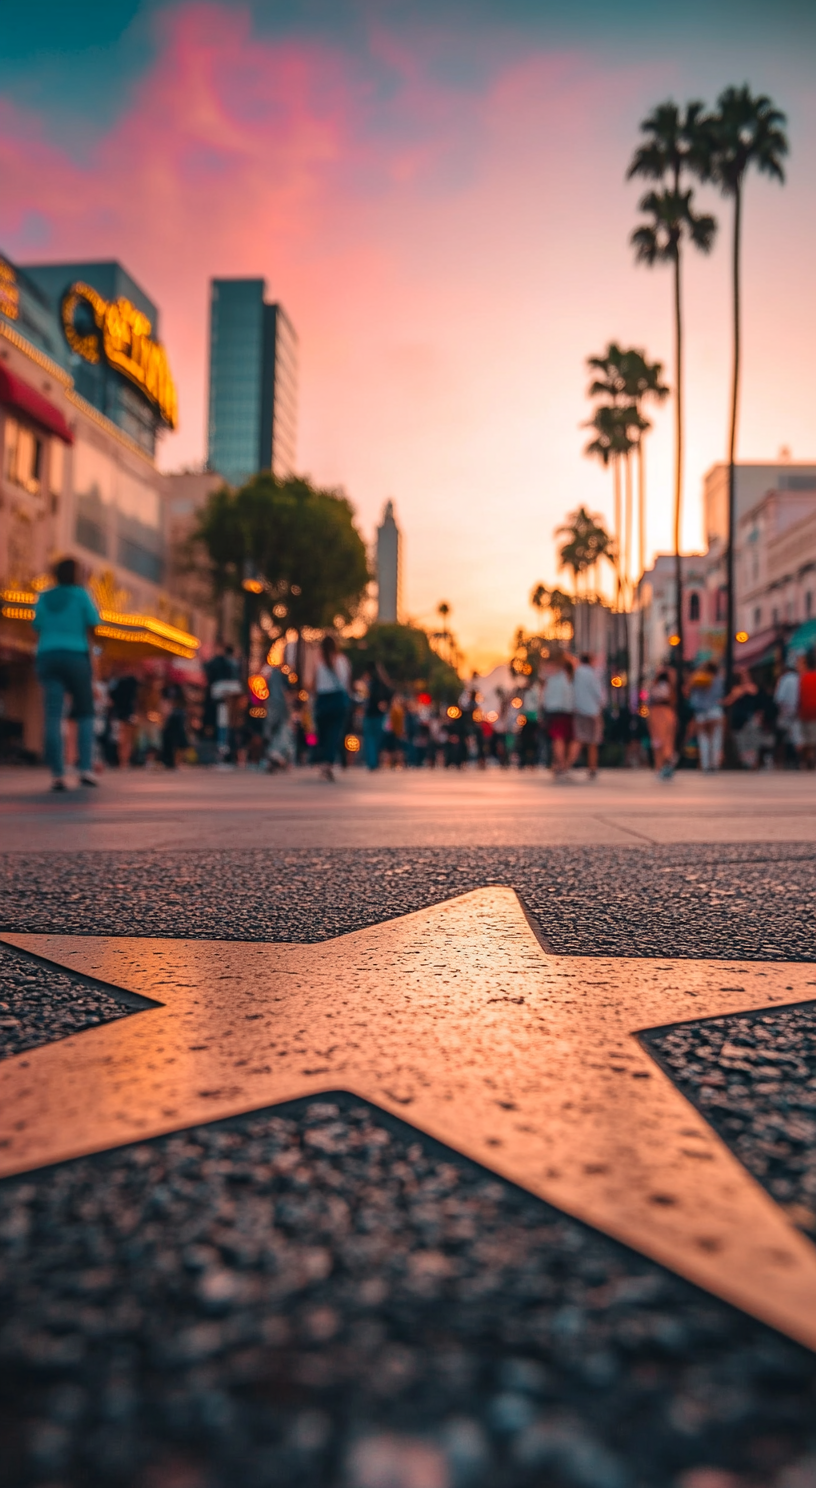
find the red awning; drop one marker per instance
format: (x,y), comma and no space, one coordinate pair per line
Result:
(25,399)
(748,653)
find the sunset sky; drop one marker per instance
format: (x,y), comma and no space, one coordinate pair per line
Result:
(436,193)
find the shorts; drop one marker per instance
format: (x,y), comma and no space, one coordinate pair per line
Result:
(588,728)
(662,726)
(559,726)
(808,727)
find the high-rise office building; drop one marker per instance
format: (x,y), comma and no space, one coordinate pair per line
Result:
(252,422)
(388,567)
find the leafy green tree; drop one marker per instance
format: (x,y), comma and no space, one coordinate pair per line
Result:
(676,146)
(299,539)
(406,654)
(745,131)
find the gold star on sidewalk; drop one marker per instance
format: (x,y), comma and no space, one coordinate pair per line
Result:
(456,1020)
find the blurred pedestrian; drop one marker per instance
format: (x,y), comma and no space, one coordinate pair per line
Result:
(65,618)
(174,731)
(559,705)
(528,730)
(807,709)
(663,722)
(706,700)
(124,692)
(378,697)
(744,708)
(223,684)
(280,743)
(332,696)
(588,717)
(788,728)
(393,741)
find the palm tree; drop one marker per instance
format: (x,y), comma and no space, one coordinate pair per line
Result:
(558,603)
(613,444)
(676,145)
(744,131)
(627,379)
(588,542)
(633,377)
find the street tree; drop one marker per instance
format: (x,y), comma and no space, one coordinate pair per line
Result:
(744,131)
(409,660)
(676,147)
(298,539)
(627,379)
(612,445)
(587,544)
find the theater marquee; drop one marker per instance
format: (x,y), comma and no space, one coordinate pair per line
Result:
(115,330)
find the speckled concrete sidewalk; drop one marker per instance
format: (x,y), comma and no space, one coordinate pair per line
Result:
(316,1295)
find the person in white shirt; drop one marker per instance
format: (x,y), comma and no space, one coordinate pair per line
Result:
(587,721)
(559,706)
(332,687)
(786,697)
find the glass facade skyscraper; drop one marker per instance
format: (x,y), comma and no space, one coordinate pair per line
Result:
(252,422)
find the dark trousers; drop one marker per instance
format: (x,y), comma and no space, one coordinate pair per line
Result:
(174,738)
(330,719)
(62,672)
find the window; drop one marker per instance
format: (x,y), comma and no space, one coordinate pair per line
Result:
(808,604)
(722,602)
(93,484)
(23,462)
(140,560)
(694,606)
(757,618)
(56,466)
(774,616)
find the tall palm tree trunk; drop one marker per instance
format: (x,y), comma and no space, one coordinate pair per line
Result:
(678,462)
(627,573)
(616,472)
(732,445)
(627,547)
(641,558)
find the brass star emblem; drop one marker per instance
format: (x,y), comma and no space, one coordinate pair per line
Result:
(456,1020)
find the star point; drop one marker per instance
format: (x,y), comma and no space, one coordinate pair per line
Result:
(456,1020)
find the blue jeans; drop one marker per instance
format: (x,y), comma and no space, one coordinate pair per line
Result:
(372,740)
(331,709)
(60,672)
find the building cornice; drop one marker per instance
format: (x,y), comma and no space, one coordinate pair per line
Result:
(109,427)
(35,355)
(56,371)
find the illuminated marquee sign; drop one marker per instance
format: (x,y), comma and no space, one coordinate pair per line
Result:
(116,330)
(9,291)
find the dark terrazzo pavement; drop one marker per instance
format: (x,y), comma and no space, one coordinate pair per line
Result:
(753,902)
(39,1004)
(322,1297)
(317,1296)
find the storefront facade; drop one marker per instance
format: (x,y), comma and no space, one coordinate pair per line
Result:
(75,481)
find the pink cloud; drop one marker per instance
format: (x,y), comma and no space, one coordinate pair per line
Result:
(449,256)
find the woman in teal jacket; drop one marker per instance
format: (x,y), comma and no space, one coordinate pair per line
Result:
(65,618)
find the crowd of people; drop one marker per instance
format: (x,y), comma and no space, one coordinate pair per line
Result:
(556,716)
